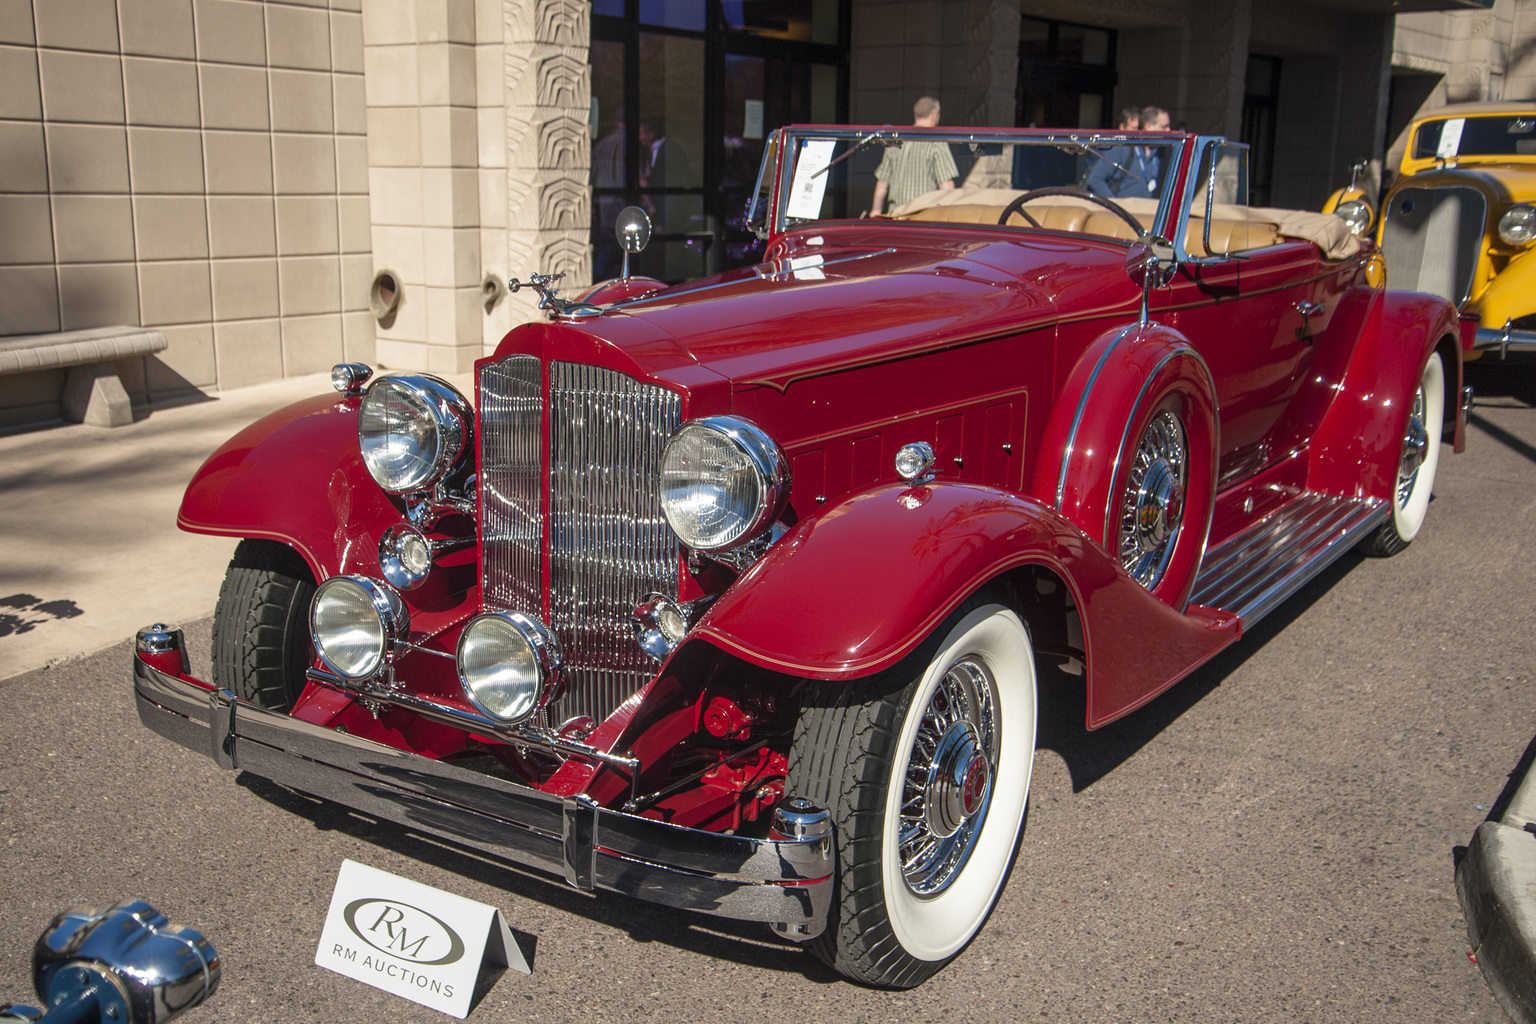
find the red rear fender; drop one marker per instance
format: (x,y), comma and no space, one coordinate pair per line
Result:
(1359,441)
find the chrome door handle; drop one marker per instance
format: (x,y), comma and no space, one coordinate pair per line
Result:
(1306,308)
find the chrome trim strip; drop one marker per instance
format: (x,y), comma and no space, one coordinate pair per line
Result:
(786,883)
(1253,572)
(1077,417)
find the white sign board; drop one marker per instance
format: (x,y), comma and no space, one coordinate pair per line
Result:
(810,181)
(411,939)
(753,117)
(1450,138)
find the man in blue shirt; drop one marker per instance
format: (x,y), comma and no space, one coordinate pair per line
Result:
(1132,171)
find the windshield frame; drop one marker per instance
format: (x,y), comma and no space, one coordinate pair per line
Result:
(1085,139)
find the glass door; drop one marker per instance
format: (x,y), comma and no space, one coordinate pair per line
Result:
(684,96)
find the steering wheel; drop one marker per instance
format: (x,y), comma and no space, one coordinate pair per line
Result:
(1017,206)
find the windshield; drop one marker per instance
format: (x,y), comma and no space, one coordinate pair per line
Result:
(972,177)
(1494,135)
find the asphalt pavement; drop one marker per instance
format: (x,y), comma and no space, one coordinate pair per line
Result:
(1275,838)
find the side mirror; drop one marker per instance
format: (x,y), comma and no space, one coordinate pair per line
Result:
(632,228)
(1150,263)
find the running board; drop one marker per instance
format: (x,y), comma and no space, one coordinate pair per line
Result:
(1253,572)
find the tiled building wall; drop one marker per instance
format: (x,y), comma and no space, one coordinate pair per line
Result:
(1469,56)
(198,166)
(965,52)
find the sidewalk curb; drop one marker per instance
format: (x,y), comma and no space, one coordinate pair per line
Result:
(1496,885)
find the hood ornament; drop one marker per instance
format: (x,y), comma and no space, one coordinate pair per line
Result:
(549,300)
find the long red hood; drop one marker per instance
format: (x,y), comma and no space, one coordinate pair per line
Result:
(848,295)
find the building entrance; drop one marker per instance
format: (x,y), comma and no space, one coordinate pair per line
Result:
(1066,75)
(684,96)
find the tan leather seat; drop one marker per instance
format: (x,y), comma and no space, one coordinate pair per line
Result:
(1230,235)
(1226,235)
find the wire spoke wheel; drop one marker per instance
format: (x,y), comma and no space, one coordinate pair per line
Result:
(1417,462)
(949,778)
(925,769)
(1153,508)
(1415,446)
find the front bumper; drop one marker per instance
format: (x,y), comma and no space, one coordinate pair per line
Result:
(1506,339)
(785,883)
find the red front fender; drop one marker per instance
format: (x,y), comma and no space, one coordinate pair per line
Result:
(852,591)
(295,476)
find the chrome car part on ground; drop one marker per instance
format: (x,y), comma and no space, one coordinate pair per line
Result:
(125,965)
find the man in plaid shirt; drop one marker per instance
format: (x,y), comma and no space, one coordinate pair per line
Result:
(909,170)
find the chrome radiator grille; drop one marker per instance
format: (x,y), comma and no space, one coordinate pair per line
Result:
(1432,239)
(511,483)
(606,541)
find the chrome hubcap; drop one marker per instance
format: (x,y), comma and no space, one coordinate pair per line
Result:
(1415,448)
(1154,500)
(948,780)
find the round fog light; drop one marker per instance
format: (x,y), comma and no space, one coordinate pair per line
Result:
(354,622)
(509,665)
(405,556)
(914,460)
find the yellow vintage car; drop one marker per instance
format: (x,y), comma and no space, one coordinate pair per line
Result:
(1460,220)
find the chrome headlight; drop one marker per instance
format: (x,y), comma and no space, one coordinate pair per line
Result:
(722,482)
(1518,225)
(509,665)
(412,431)
(1357,213)
(355,622)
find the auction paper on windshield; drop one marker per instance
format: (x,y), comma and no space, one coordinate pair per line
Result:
(810,182)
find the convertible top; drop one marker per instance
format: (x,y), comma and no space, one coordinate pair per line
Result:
(1327,231)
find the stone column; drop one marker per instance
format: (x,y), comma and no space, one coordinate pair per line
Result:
(1218,65)
(547,90)
(419,68)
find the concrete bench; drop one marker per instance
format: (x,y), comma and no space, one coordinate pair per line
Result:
(92,391)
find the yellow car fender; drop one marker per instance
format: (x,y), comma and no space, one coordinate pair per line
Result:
(1510,295)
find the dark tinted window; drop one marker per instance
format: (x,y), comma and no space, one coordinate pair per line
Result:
(1498,135)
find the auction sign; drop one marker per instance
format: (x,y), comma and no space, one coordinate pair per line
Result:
(411,939)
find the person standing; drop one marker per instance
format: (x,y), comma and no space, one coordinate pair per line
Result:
(914,167)
(1128,172)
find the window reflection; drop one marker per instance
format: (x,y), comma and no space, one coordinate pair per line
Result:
(685,14)
(671,112)
(806,20)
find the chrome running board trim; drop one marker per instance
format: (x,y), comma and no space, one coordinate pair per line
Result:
(1250,574)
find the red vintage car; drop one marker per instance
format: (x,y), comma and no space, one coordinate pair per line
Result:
(730,595)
